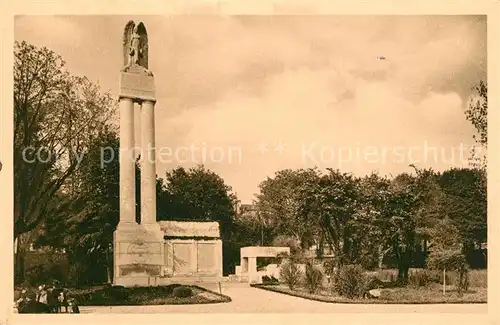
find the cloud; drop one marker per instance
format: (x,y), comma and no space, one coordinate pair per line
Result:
(305,109)
(236,81)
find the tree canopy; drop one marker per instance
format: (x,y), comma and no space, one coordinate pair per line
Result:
(56,116)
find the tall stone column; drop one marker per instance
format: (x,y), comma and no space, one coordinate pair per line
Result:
(148,164)
(127,162)
(138,250)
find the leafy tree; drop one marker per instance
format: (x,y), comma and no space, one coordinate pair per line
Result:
(329,202)
(197,194)
(431,210)
(56,115)
(54,111)
(279,204)
(368,244)
(400,222)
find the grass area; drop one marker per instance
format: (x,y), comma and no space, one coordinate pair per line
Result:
(161,295)
(477,278)
(431,294)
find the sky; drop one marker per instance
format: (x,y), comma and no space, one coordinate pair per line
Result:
(251,95)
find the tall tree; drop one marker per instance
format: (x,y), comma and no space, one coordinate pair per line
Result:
(400,222)
(329,203)
(55,116)
(368,235)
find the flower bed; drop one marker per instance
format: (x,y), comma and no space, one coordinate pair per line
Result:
(431,294)
(160,295)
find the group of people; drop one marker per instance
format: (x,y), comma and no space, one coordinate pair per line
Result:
(47,299)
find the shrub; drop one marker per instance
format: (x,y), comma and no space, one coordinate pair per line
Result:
(290,273)
(351,281)
(117,293)
(451,260)
(269,280)
(314,278)
(183,292)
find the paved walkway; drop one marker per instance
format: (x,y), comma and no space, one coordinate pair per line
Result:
(246,299)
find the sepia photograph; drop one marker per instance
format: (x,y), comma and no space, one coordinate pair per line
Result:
(250,164)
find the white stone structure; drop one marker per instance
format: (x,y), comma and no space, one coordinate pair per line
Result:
(192,249)
(248,261)
(152,252)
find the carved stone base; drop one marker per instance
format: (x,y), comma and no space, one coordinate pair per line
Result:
(138,253)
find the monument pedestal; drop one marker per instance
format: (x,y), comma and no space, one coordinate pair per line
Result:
(138,254)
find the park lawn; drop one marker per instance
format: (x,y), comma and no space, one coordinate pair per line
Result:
(431,294)
(160,295)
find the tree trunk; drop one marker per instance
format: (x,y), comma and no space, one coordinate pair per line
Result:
(22,244)
(380,256)
(320,248)
(403,265)
(403,272)
(19,265)
(444,282)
